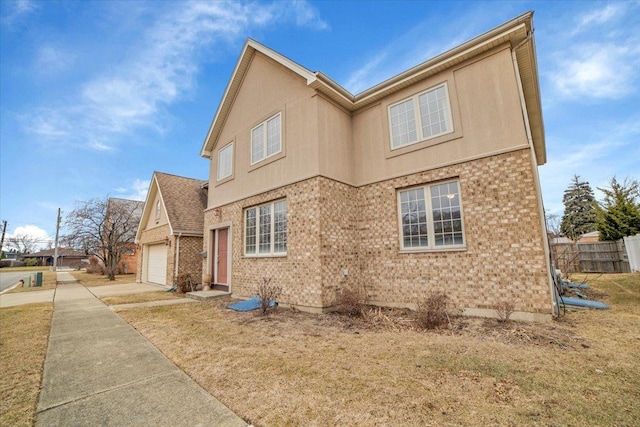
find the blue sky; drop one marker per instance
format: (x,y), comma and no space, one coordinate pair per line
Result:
(96,95)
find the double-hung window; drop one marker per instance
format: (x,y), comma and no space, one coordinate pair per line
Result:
(423,116)
(225,162)
(266,139)
(265,229)
(430,217)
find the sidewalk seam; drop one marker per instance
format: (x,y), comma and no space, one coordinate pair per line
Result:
(107,390)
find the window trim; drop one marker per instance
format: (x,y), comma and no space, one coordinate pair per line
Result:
(418,116)
(220,179)
(265,157)
(272,231)
(431,246)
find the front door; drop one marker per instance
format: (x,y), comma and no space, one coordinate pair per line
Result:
(221,260)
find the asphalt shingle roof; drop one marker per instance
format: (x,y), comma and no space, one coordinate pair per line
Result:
(185,201)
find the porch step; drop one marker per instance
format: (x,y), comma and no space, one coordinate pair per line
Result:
(207,295)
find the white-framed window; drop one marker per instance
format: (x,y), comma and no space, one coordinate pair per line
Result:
(225,161)
(266,139)
(433,117)
(430,217)
(158,209)
(265,229)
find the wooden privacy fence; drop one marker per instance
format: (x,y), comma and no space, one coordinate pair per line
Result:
(598,257)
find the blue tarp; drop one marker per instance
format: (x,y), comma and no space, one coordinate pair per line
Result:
(248,305)
(584,303)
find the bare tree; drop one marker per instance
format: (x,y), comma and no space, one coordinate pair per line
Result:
(105,228)
(23,243)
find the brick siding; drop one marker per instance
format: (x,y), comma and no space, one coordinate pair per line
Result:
(333,227)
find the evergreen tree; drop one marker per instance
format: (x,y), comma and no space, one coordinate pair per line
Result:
(619,214)
(579,209)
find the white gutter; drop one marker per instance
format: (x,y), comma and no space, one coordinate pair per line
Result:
(536,177)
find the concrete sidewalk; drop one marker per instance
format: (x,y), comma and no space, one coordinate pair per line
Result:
(100,371)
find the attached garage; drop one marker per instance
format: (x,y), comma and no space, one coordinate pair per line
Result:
(156,265)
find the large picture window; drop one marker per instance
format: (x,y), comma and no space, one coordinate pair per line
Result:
(430,217)
(266,139)
(265,229)
(420,117)
(225,162)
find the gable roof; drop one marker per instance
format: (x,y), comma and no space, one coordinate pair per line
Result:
(184,201)
(518,32)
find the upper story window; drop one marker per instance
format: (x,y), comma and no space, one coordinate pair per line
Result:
(225,162)
(433,117)
(158,209)
(265,229)
(430,217)
(266,139)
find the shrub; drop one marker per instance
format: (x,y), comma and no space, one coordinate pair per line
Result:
(267,293)
(433,312)
(31,262)
(350,302)
(95,267)
(504,310)
(185,283)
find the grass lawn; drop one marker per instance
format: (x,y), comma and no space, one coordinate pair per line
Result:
(140,298)
(292,368)
(91,279)
(24,333)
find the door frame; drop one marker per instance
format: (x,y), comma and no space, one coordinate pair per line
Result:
(212,249)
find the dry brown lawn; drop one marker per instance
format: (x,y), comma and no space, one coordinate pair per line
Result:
(92,279)
(24,333)
(140,298)
(291,368)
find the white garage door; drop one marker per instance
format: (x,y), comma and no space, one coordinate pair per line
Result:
(157,264)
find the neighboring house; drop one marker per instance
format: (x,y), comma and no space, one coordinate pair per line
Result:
(124,215)
(170,232)
(425,182)
(66,258)
(591,237)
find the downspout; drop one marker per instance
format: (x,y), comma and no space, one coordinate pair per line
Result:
(536,176)
(176,258)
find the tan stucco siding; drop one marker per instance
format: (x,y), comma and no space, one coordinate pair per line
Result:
(335,142)
(153,221)
(268,89)
(486,114)
(489,104)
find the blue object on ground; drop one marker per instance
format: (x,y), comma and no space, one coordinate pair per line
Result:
(584,303)
(578,285)
(248,305)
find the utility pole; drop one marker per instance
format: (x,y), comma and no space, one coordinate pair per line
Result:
(55,251)
(4,230)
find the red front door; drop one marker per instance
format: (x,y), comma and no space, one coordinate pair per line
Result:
(221,266)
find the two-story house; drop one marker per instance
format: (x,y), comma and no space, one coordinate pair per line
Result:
(426,181)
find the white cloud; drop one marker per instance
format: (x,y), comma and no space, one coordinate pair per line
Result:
(595,156)
(608,13)
(137,191)
(40,237)
(161,68)
(19,10)
(52,60)
(418,44)
(597,71)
